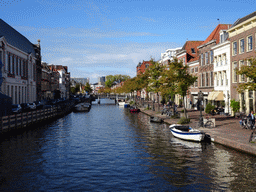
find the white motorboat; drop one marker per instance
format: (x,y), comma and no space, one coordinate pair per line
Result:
(82,107)
(122,103)
(187,133)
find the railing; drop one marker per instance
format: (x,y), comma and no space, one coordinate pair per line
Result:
(26,119)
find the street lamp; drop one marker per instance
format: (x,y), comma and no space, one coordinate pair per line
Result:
(153,109)
(200,99)
(228,100)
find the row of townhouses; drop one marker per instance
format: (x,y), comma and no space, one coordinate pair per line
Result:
(24,77)
(214,60)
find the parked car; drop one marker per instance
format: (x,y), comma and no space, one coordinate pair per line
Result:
(32,106)
(39,105)
(25,107)
(16,108)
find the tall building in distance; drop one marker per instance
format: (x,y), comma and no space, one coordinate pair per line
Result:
(80,80)
(101,80)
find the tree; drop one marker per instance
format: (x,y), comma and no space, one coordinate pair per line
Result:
(176,80)
(110,79)
(250,72)
(184,79)
(155,73)
(88,88)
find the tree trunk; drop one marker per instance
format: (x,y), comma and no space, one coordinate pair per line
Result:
(185,111)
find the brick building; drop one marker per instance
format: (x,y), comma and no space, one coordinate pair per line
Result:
(189,56)
(206,59)
(242,37)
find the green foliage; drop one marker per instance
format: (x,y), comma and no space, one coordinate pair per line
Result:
(184,120)
(235,105)
(209,108)
(88,88)
(110,79)
(131,102)
(250,72)
(222,103)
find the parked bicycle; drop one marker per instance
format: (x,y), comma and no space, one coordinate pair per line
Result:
(208,124)
(246,123)
(253,136)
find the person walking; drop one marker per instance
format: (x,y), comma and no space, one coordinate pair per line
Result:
(252,119)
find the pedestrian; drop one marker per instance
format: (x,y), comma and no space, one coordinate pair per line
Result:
(252,119)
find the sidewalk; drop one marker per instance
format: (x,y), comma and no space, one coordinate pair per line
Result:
(226,132)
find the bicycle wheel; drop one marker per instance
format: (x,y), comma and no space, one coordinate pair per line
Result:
(209,124)
(252,136)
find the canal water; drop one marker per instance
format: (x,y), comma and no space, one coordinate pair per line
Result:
(111,149)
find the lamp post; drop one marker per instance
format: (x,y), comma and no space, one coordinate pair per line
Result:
(228,96)
(200,99)
(153,109)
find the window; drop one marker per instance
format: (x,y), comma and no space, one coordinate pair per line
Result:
(206,58)
(241,45)
(192,70)
(226,79)
(221,38)
(234,72)
(211,56)
(249,43)
(203,80)
(212,79)
(196,69)
(242,77)
(234,48)
(202,59)
(196,83)
(193,50)
(207,79)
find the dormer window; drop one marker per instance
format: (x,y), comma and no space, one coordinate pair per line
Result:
(193,50)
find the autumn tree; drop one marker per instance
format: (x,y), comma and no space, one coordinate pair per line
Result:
(88,88)
(176,80)
(110,79)
(248,71)
(155,72)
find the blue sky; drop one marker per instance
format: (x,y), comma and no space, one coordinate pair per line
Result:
(107,37)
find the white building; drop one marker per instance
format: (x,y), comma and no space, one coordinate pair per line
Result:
(221,71)
(18,57)
(169,55)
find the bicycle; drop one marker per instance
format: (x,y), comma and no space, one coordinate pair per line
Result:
(253,136)
(208,124)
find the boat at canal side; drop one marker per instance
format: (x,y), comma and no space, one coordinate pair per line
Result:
(187,133)
(156,119)
(82,107)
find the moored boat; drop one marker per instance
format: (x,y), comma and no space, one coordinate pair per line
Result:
(82,107)
(156,119)
(134,109)
(187,133)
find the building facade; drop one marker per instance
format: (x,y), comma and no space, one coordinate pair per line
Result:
(169,55)
(189,56)
(20,59)
(242,36)
(206,62)
(221,94)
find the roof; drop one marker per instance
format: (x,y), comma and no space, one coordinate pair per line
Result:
(16,39)
(188,47)
(241,20)
(215,35)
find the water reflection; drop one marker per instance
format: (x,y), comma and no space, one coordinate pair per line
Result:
(111,149)
(188,163)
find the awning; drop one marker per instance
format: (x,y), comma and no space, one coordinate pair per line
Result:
(216,96)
